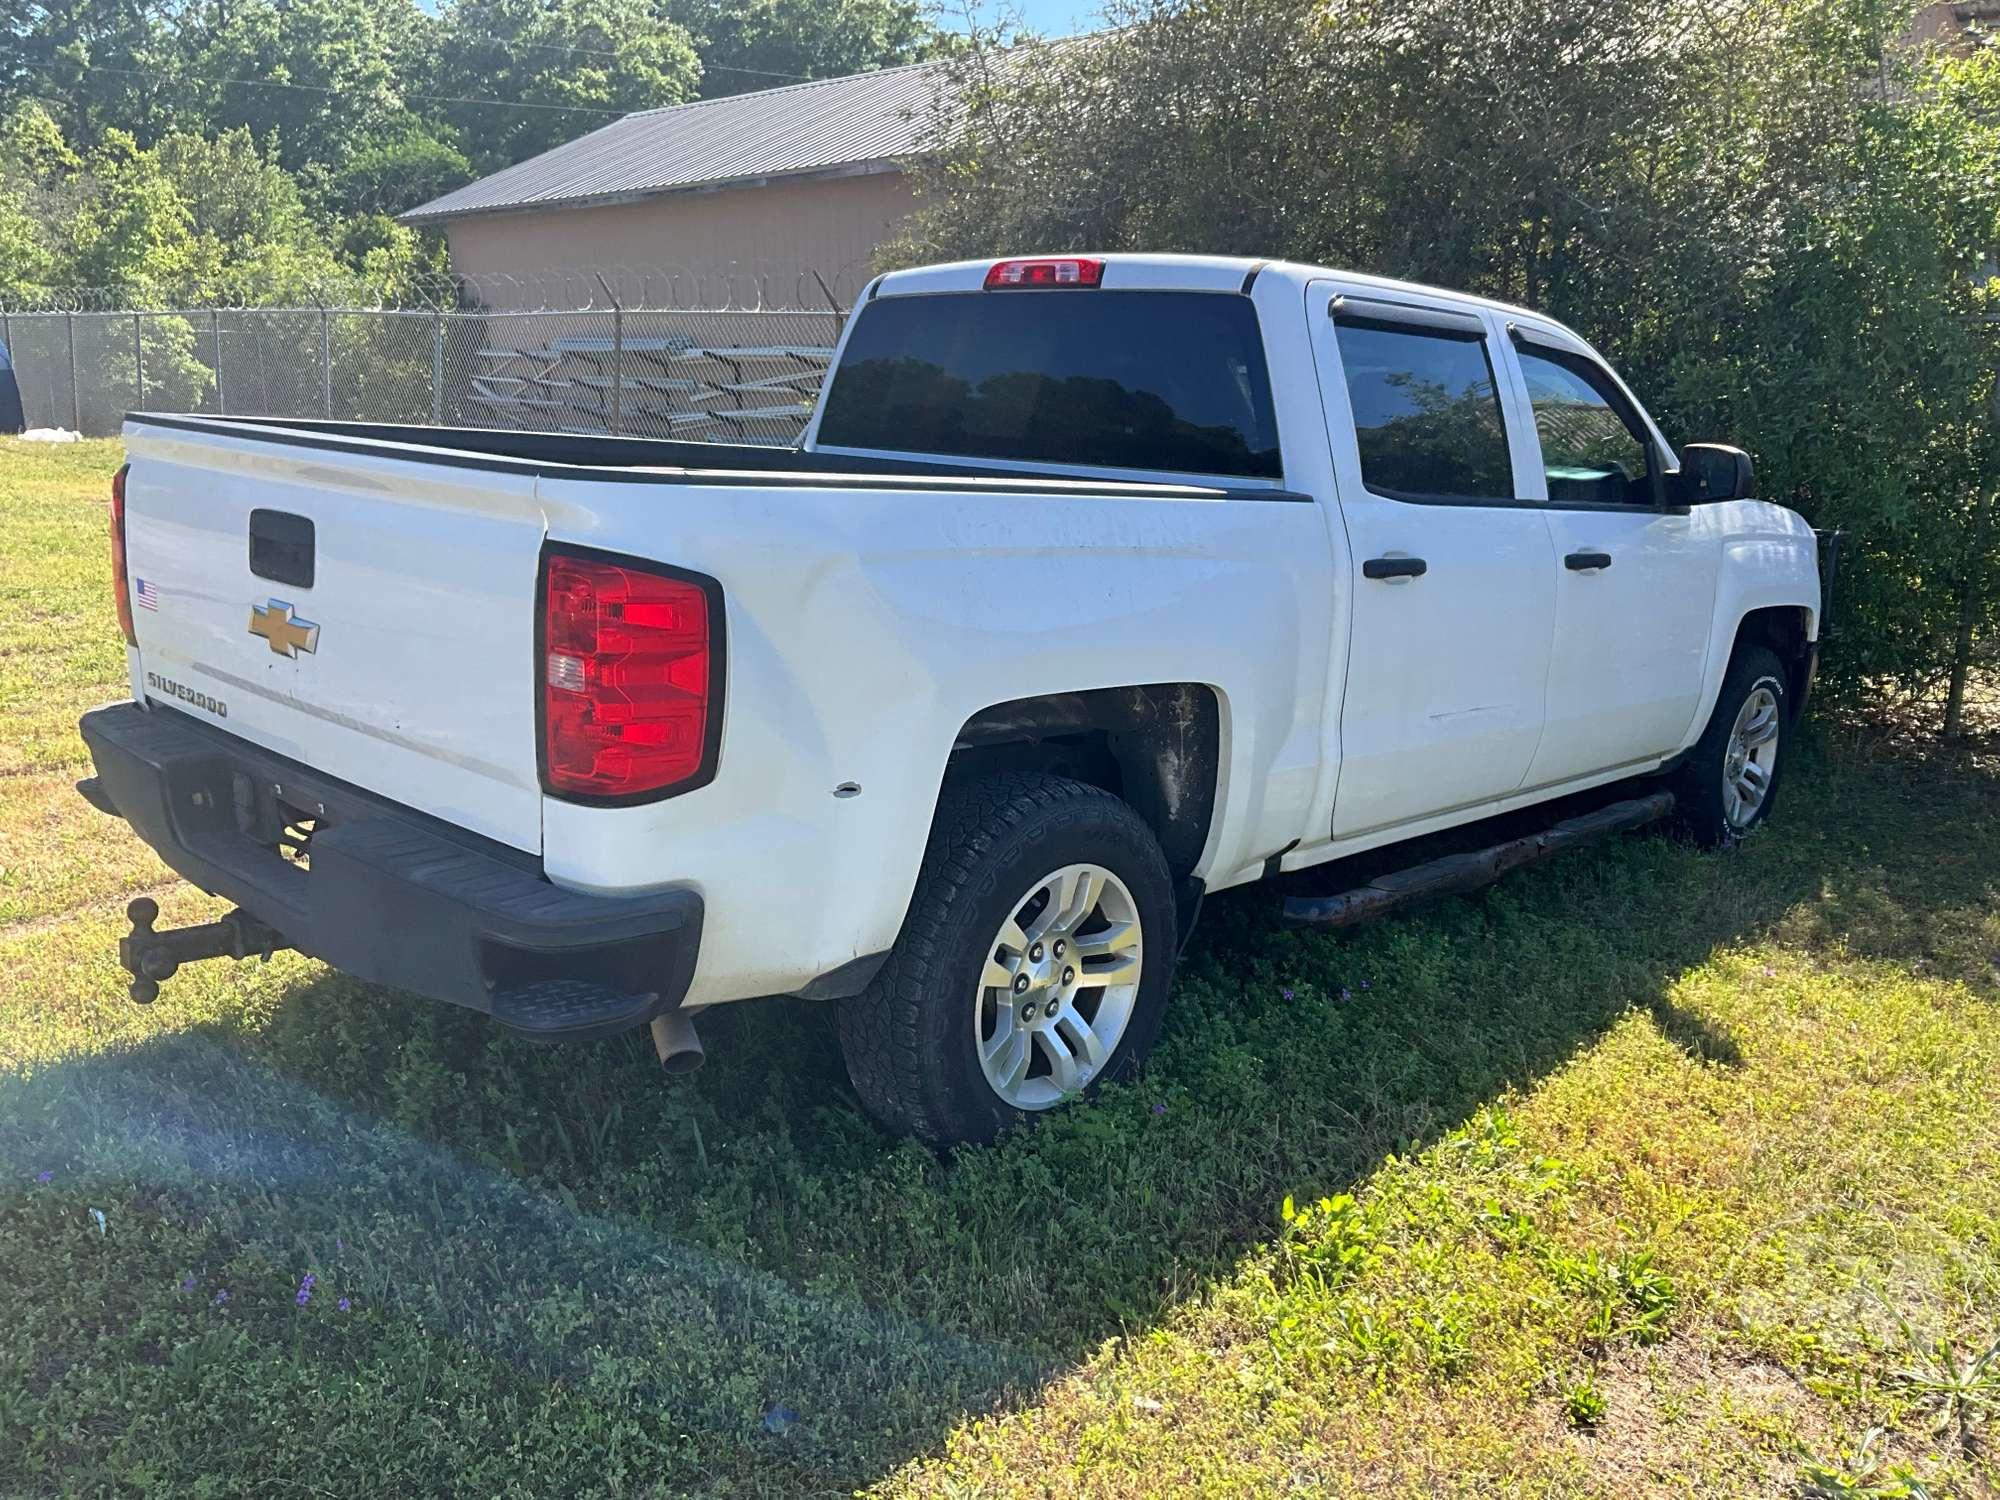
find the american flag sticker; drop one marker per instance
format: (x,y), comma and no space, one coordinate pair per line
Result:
(148,594)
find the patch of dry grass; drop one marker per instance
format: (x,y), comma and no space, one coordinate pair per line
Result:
(1636,1169)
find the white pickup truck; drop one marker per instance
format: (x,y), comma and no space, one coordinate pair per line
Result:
(1096,584)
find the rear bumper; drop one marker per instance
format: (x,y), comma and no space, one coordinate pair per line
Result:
(389,895)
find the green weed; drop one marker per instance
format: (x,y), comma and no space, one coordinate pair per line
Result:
(1862,1474)
(1640,1110)
(1960,1391)
(1583,1402)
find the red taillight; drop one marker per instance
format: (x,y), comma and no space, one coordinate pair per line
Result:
(1067,271)
(631,679)
(119,580)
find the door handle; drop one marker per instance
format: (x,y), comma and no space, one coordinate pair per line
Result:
(1587,562)
(1394,567)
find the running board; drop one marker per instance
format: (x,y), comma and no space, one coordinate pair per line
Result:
(1465,872)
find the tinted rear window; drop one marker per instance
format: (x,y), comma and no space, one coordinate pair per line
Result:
(1123,380)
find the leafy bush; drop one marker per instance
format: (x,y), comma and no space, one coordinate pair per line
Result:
(1772,216)
(176,378)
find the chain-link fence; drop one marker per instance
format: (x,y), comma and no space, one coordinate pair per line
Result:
(735,374)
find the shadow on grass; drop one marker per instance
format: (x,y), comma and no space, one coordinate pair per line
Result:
(798,1304)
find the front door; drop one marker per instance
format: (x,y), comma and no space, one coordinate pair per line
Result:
(1635,581)
(1452,572)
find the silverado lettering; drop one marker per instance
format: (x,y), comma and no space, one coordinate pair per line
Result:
(166,687)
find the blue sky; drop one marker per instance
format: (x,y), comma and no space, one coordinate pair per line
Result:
(1055,17)
(1048,18)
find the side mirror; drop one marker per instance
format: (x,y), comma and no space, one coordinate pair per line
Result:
(1710,472)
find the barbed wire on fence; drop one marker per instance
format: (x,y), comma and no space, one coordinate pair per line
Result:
(750,285)
(627,360)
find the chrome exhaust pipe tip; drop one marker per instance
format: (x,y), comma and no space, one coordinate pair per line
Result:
(675,1040)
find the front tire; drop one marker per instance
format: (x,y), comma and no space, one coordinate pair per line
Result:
(1033,965)
(1729,782)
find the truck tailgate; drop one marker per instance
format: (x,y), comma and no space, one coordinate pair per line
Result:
(405,665)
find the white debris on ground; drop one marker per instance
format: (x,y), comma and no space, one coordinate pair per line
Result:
(51,435)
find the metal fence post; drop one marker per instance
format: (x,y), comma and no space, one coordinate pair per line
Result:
(7,349)
(75,404)
(617,367)
(138,359)
(617,422)
(839,312)
(215,332)
(437,368)
(325,362)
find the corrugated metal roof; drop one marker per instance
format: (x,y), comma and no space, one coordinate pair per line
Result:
(833,123)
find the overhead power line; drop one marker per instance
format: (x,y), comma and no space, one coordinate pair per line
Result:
(577,109)
(707,66)
(320,88)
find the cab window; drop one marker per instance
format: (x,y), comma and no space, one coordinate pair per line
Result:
(1426,412)
(1160,380)
(1594,451)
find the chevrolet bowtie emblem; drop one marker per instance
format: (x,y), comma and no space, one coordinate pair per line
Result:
(288,636)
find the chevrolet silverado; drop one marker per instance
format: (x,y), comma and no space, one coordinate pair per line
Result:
(1096,584)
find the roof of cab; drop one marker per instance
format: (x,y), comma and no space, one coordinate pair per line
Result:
(1192,273)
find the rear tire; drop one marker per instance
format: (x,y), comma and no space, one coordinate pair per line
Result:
(1032,886)
(1726,788)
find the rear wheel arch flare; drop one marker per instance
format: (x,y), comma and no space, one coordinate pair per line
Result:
(1156,745)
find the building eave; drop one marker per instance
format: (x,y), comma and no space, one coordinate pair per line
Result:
(872,168)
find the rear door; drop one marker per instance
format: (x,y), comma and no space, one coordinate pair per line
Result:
(367,614)
(1635,580)
(1453,570)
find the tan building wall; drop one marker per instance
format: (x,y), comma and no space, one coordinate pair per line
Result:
(1955,27)
(830,225)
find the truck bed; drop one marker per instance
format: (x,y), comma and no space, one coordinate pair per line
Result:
(661,460)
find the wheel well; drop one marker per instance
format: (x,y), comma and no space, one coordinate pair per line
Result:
(1782,629)
(1158,746)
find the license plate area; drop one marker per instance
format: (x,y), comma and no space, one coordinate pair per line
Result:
(276,817)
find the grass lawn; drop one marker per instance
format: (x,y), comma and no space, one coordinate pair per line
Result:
(1642,1172)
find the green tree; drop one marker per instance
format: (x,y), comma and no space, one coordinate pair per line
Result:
(400,172)
(759,44)
(546,71)
(35,162)
(192,218)
(165,372)
(319,79)
(25,262)
(96,64)
(132,228)
(32,148)
(253,237)
(1771,215)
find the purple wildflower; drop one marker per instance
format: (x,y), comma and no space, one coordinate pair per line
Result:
(187,1283)
(222,1296)
(345,1305)
(1286,993)
(1364,984)
(1346,993)
(45,1177)
(305,1289)
(1770,972)
(1159,1109)
(339,1245)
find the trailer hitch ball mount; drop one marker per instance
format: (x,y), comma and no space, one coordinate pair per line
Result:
(150,956)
